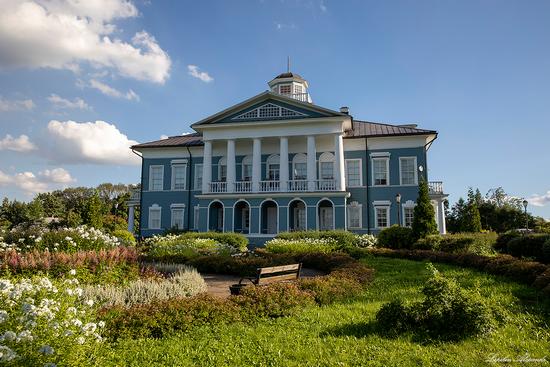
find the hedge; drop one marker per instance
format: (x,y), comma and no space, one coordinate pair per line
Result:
(343,238)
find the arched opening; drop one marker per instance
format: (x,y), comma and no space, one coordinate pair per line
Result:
(297,215)
(269,217)
(246,172)
(299,167)
(272,167)
(215,216)
(325,215)
(222,169)
(241,217)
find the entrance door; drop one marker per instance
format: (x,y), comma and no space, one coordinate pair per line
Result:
(325,218)
(272,220)
(299,218)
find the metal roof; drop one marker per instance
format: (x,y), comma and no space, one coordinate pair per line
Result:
(189,140)
(378,129)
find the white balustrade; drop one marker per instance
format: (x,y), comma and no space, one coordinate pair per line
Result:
(243,186)
(270,186)
(325,185)
(217,187)
(297,185)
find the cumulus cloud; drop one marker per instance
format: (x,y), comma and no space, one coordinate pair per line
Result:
(540,200)
(62,103)
(64,34)
(16,105)
(30,183)
(89,142)
(112,92)
(193,70)
(20,144)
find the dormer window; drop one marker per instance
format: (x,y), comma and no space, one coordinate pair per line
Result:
(298,89)
(285,89)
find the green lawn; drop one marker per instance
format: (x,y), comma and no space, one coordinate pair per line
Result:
(343,334)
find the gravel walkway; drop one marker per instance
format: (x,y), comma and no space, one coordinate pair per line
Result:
(218,285)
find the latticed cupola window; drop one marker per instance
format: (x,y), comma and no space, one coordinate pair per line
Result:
(269,110)
(285,89)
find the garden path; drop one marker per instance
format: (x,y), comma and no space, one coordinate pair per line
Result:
(218,285)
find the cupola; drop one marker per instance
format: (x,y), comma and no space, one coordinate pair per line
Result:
(291,85)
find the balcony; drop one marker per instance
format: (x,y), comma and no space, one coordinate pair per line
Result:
(272,186)
(435,187)
(302,97)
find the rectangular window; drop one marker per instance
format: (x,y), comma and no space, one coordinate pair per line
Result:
(408,215)
(272,171)
(247,172)
(407,166)
(196,217)
(380,171)
(354,215)
(178,176)
(223,173)
(198,176)
(327,170)
(382,216)
(154,217)
(353,173)
(285,89)
(177,218)
(245,219)
(300,171)
(156,178)
(298,89)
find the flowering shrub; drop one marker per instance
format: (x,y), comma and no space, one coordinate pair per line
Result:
(366,241)
(104,265)
(305,245)
(187,282)
(45,322)
(177,249)
(58,240)
(344,239)
(235,241)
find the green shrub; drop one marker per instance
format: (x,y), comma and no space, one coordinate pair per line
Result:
(546,251)
(448,312)
(181,249)
(344,239)
(395,237)
(161,318)
(236,240)
(319,245)
(528,246)
(430,242)
(125,237)
(501,244)
(331,288)
(186,282)
(274,300)
(237,265)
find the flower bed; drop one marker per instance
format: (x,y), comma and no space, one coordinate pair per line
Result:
(45,322)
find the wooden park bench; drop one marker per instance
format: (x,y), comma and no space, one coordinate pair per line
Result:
(269,275)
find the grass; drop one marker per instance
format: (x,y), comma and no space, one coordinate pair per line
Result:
(344,334)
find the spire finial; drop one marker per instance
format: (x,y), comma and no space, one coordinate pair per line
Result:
(288,64)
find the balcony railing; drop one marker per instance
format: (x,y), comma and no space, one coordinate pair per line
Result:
(302,97)
(435,187)
(325,185)
(243,186)
(270,186)
(217,187)
(297,185)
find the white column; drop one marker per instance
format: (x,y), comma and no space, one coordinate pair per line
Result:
(256,164)
(283,163)
(207,166)
(339,167)
(231,169)
(441,217)
(131,218)
(311,163)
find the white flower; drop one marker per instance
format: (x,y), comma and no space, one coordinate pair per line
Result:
(24,336)
(77,322)
(80,340)
(90,302)
(6,354)
(3,316)
(9,336)
(101,324)
(46,349)
(50,364)
(72,272)
(71,310)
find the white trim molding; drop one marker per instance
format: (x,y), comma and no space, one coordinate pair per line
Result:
(156,208)
(151,167)
(356,206)
(360,172)
(415,171)
(387,160)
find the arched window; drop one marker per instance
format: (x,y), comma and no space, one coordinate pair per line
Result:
(247,168)
(272,167)
(222,169)
(326,166)
(299,166)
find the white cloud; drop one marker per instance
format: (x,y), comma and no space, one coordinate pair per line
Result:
(112,92)
(20,144)
(193,70)
(323,7)
(540,200)
(63,34)
(30,183)
(62,103)
(89,142)
(56,175)
(16,105)
(163,137)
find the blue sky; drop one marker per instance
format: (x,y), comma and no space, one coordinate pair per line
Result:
(476,71)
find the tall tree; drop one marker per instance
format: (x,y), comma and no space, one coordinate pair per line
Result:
(424,214)
(471,219)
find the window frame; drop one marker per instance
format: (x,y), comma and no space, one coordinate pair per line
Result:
(151,167)
(174,208)
(220,165)
(157,208)
(360,171)
(196,185)
(272,160)
(173,171)
(415,171)
(246,162)
(327,157)
(299,158)
(356,206)
(387,160)
(196,216)
(386,207)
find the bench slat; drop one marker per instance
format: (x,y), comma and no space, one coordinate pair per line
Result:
(278,278)
(278,269)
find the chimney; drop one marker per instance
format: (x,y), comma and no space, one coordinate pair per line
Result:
(344,109)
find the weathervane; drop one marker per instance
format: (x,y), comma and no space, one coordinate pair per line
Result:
(288,64)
